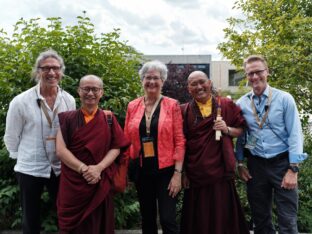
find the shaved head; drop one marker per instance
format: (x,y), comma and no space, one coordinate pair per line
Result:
(91,77)
(199,86)
(196,74)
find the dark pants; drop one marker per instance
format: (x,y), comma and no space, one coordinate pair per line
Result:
(153,189)
(265,185)
(31,189)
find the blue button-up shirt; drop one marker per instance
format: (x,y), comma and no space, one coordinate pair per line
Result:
(281,130)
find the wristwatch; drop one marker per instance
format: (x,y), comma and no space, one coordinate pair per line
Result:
(294,168)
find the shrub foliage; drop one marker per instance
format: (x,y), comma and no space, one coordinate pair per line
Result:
(84,52)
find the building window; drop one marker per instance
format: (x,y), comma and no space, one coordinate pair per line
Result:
(235,77)
(202,67)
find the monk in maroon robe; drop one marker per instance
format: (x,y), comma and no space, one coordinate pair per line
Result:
(88,144)
(211,203)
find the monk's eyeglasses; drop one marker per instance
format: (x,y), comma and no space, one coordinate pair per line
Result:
(94,90)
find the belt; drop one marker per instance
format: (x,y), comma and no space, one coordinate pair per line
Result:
(276,158)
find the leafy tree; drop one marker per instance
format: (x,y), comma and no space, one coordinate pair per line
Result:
(176,83)
(305,188)
(84,52)
(281,31)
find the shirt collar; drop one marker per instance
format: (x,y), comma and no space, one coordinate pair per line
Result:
(39,94)
(264,94)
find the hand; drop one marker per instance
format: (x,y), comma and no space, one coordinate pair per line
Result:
(93,174)
(83,169)
(290,180)
(185,182)
(244,173)
(175,185)
(220,125)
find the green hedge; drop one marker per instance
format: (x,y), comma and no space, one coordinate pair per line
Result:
(84,52)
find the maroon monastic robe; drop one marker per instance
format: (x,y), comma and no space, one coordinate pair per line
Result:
(211,204)
(83,207)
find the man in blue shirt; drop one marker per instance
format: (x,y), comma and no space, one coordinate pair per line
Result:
(273,145)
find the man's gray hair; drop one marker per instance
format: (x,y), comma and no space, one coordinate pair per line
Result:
(50,53)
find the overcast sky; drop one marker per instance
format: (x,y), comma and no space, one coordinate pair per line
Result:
(152,27)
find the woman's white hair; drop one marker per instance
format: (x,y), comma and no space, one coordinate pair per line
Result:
(154,65)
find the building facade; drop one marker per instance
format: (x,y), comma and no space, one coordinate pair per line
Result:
(223,74)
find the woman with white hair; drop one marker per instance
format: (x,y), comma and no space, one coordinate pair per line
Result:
(154,127)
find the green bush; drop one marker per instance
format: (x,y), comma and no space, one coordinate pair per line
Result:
(84,52)
(127,210)
(10,212)
(305,192)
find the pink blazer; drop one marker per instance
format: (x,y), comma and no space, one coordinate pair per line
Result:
(171,141)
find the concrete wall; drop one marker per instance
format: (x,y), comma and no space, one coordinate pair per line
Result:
(180,59)
(219,70)
(219,73)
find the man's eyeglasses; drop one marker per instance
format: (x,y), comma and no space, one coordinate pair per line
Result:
(258,73)
(48,69)
(94,90)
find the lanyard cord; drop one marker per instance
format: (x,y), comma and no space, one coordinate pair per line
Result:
(260,123)
(45,111)
(148,118)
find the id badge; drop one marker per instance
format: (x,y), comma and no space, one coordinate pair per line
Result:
(251,142)
(50,140)
(50,144)
(148,147)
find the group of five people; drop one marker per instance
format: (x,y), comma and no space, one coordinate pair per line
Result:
(174,147)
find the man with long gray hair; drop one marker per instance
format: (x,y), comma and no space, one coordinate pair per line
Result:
(31,127)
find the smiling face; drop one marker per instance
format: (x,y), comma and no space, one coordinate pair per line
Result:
(152,83)
(49,73)
(199,86)
(257,74)
(90,92)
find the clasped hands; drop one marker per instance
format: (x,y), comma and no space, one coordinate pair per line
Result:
(91,173)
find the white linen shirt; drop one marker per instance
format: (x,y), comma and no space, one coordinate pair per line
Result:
(27,128)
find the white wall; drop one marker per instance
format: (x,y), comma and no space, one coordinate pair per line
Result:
(219,72)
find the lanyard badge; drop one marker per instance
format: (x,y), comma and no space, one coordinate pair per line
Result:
(50,139)
(148,147)
(251,141)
